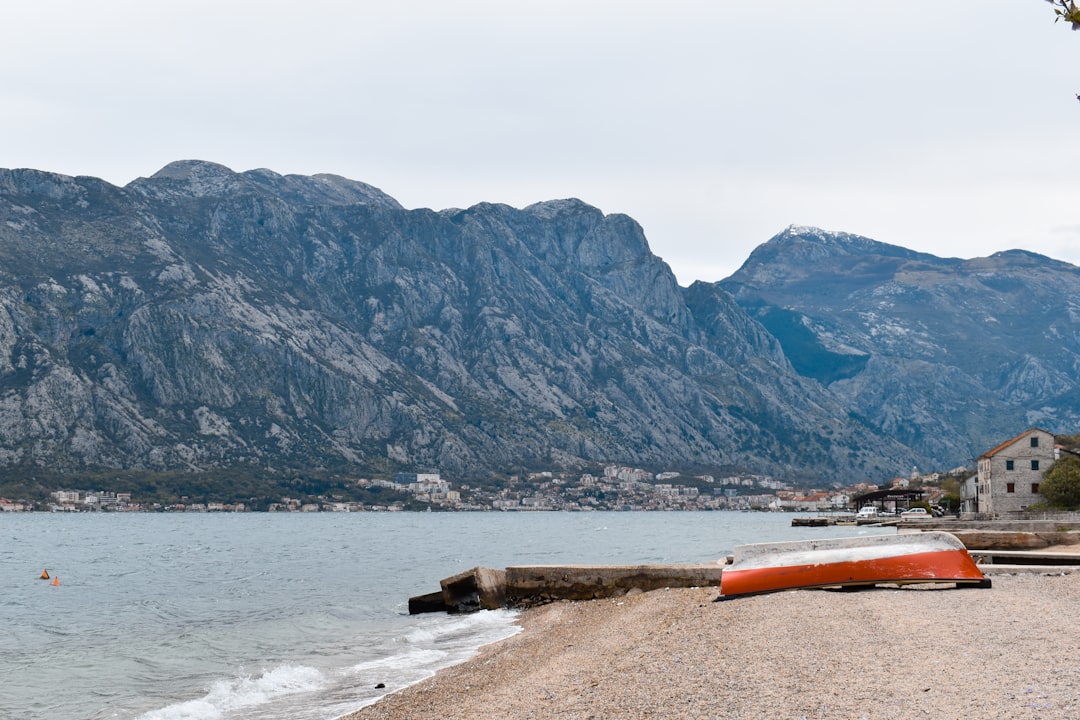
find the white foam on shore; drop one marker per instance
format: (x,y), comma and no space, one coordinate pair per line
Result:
(302,692)
(228,696)
(443,629)
(438,642)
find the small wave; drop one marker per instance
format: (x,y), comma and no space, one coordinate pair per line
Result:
(246,692)
(414,658)
(471,626)
(434,644)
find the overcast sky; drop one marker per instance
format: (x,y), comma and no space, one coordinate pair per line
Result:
(942,126)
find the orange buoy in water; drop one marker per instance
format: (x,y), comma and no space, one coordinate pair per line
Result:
(44,574)
(56,581)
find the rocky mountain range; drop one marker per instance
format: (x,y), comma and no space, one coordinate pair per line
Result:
(948,356)
(202,318)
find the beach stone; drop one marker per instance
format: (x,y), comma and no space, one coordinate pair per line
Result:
(902,653)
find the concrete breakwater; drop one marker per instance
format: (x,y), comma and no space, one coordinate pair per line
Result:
(517,587)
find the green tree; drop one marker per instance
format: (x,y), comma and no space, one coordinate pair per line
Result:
(950,493)
(1061,483)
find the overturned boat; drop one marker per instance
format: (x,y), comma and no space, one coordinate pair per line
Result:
(926,557)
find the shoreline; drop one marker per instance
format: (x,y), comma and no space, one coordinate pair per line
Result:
(915,651)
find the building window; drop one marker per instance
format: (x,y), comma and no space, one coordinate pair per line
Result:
(1034,464)
(1010,487)
(1034,488)
(1008,464)
(1034,441)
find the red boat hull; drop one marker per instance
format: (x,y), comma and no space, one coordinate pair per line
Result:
(911,558)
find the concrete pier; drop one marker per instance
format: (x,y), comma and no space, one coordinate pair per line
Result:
(1013,539)
(526,586)
(477,589)
(539,584)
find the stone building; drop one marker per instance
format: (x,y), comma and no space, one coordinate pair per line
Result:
(1009,475)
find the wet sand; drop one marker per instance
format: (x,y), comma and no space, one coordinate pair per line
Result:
(921,651)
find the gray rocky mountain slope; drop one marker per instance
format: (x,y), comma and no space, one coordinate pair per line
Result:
(948,356)
(204,318)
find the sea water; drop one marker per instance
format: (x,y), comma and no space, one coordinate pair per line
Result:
(284,616)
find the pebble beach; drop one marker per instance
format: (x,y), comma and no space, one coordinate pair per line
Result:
(917,651)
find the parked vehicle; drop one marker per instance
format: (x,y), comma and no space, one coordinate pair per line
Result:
(866,511)
(916,513)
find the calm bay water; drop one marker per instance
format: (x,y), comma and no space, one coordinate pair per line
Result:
(275,616)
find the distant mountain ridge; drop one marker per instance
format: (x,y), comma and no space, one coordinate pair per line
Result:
(947,355)
(202,318)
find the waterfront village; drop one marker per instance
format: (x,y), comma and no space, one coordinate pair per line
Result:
(617,488)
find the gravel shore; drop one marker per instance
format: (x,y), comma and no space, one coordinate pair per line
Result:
(920,651)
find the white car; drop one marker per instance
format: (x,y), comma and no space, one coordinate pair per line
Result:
(916,513)
(867,511)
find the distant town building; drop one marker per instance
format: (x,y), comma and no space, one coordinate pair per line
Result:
(404,478)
